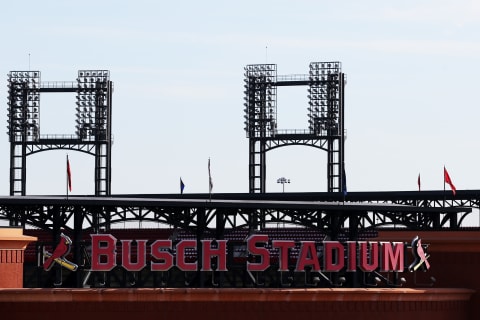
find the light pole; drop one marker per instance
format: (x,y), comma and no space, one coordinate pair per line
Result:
(283,180)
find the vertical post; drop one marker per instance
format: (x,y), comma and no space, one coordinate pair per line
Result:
(56,230)
(108,191)
(341,142)
(68,176)
(220,235)
(103,145)
(77,238)
(201,224)
(210,182)
(444,194)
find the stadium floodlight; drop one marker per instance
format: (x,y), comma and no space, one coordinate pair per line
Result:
(283,181)
(23,97)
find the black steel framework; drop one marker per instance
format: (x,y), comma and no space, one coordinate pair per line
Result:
(338,215)
(93,134)
(427,211)
(207,219)
(326,84)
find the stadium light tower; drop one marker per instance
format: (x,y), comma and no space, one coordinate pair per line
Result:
(93,134)
(326,83)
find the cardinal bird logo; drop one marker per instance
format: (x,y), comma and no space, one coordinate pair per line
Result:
(421,258)
(58,255)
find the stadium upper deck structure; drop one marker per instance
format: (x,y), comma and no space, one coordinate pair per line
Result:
(358,216)
(428,210)
(333,216)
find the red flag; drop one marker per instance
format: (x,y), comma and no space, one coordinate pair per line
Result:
(418,182)
(69,175)
(448,180)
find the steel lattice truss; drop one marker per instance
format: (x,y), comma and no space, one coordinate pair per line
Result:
(61,145)
(215,219)
(325,87)
(93,131)
(431,212)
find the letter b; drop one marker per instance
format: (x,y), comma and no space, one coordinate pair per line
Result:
(107,251)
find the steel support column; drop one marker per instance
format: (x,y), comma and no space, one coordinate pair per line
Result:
(257,166)
(326,84)
(77,244)
(93,135)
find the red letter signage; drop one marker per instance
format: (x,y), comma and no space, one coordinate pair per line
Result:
(391,256)
(220,253)
(258,251)
(103,245)
(308,256)
(365,264)
(352,256)
(283,246)
(127,255)
(334,256)
(333,249)
(181,248)
(164,256)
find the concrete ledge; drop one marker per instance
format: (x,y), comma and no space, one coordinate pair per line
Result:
(229,294)
(231,304)
(13,238)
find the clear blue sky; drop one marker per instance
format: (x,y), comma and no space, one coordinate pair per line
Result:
(412,103)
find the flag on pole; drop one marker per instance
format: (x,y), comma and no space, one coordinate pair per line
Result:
(419,182)
(182,185)
(69,175)
(447,180)
(210,182)
(344,183)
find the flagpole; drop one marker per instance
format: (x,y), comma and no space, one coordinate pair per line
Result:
(444,195)
(210,184)
(66,174)
(419,182)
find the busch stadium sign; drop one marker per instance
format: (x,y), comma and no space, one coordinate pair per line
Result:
(326,256)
